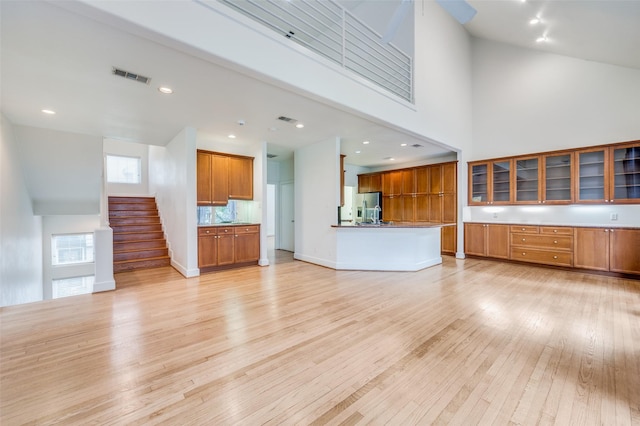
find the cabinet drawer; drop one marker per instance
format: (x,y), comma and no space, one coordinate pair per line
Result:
(207,231)
(222,230)
(549,257)
(553,242)
(556,230)
(247,229)
(525,229)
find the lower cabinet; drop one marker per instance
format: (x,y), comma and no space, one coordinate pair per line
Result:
(599,249)
(542,244)
(608,249)
(224,246)
(487,240)
(449,240)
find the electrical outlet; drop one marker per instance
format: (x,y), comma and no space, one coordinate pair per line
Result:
(495,215)
(614,216)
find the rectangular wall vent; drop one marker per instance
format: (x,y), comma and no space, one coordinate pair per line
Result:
(271,155)
(416,145)
(287,119)
(130,75)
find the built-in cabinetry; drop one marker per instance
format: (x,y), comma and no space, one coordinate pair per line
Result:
(604,174)
(487,240)
(225,246)
(542,244)
(592,248)
(418,194)
(608,249)
(221,177)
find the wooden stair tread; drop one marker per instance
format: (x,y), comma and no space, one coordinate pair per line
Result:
(133,250)
(167,257)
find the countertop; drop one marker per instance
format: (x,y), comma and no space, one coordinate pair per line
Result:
(395,225)
(570,225)
(227,224)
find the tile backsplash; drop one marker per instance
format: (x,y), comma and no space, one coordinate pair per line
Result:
(236,211)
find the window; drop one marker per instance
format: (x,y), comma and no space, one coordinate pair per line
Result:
(123,169)
(71,249)
(72,286)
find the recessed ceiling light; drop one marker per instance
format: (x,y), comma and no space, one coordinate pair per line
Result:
(299,125)
(273,129)
(542,39)
(358,152)
(535,20)
(232,136)
(403,144)
(365,142)
(48,111)
(165,90)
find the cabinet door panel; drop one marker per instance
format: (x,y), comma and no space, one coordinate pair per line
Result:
(408,181)
(448,238)
(226,249)
(247,247)
(207,251)
(422,180)
(219,179)
(203,169)
(498,241)
(479,183)
(408,208)
(449,211)
(527,180)
(241,178)
(435,179)
(435,208)
(626,174)
(392,208)
(557,179)
(421,208)
(449,178)
(474,239)
(625,251)
(501,182)
(591,168)
(591,248)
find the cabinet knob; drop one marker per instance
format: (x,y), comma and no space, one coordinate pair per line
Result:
(523,229)
(523,239)
(606,230)
(555,231)
(226,230)
(524,253)
(555,257)
(247,229)
(207,231)
(612,231)
(555,242)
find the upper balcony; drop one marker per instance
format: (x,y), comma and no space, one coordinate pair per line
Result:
(330,30)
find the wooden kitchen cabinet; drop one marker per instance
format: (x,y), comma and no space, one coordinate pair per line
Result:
(240,174)
(392,182)
(370,182)
(625,170)
(442,193)
(247,243)
(557,172)
(527,180)
(225,246)
(490,182)
(608,249)
(486,240)
(542,244)
(449,240)
(392,208)
(221,177)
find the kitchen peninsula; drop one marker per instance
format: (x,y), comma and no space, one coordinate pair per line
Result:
(388,247)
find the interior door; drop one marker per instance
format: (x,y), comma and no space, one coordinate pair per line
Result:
(286,217)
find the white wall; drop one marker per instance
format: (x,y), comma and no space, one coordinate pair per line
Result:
(57,225)
(62,170)
(317,197)
(526,101)
(129,149)
(20,230)
(172,177)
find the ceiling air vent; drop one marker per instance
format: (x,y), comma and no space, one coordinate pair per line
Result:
(271,155)
(416,145)
(130,75)
(287,119)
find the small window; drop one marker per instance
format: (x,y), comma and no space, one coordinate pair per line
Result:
(123,169)
(72,286)
(71,249)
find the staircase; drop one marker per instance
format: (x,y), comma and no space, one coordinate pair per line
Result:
(138,239)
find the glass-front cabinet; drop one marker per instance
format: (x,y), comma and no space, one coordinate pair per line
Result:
(527,180)
(590,180)
(626,174)
(490,182)
(557,179)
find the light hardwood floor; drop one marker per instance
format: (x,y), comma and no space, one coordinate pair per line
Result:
(468,342)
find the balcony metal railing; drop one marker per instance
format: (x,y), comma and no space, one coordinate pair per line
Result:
(328,29)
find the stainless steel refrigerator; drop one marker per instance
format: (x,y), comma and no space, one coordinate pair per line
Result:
(368,207)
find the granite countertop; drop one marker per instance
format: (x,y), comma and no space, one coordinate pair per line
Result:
(395,225)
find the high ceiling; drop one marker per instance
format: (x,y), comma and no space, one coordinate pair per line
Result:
(53,58)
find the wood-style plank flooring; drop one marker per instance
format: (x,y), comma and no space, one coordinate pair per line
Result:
(467,342)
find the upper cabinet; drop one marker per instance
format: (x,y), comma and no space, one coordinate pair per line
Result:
(604,174)
(370,182)
(490,182)
(221,177)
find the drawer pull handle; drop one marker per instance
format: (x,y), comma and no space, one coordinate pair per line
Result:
(555,257)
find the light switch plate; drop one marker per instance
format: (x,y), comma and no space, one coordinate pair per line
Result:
(614,216)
